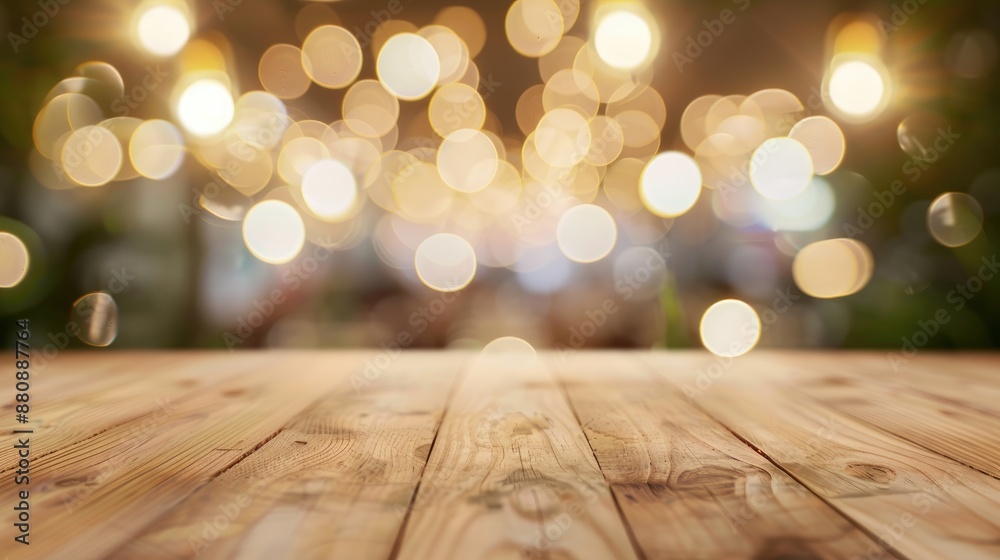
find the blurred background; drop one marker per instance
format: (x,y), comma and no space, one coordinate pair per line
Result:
(162,250)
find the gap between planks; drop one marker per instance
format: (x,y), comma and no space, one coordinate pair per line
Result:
(561,381)
(862,470)
(694,461)
(657,375)
(124,478)
(398,542)
(327,497)
(512,475)
(955,429)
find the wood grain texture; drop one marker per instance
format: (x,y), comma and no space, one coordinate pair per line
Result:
(93,400)
(468,456)
(964,382)
(687,486)
(69,373)
(511,475)
(917,403)
(915,501)
(90,498)
(335,483)
(967,435)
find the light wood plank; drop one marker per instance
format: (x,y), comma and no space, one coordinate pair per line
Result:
(335,483)
(687,486)
(88,500)
(969,436)
(916,501)
(832,420)
(949,412)
(511,475)
(979,365)
(960,381)
(103,398)
(73,371)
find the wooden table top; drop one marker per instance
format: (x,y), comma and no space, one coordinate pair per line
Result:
(372,455)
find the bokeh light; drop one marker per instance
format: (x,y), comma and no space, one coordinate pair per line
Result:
(670,184)
(623,39)
(693,128)
(572,89)
(467,160)
(274,231)
(722,159)
(456,106)
(607,140)
(157,149)
(824,140)
(281,72)
(781,168)
(562,138)
(530,108)
(561,58)
(445,262)
(331,56)
(440,159)
(510,347)
(586,233)
(370,110)
(954,219)
(779,108)
(502,193)
(508,352)
(613,84)
(534,27)
(14,260)
(206,107)
(298,155)
(858,89)
(419,192)
(858,36)
(467,23)
(833,268)
(809,211)
(408,66)
(730,328)
(96,317)
(163,28)
(92,156)
(329,190)
(452,54)
(123,128)
(620,185)
(59,117)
